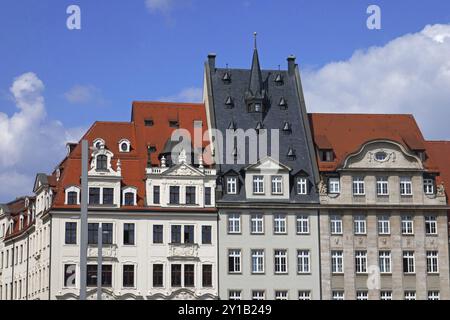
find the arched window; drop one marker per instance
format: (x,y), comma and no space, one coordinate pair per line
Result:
(102,162)
(72,197)
(129,199)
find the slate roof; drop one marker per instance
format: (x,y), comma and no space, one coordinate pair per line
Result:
(242,82)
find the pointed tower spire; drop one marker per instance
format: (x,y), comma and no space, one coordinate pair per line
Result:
(255,86)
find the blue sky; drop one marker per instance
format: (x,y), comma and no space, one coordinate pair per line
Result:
(155,49)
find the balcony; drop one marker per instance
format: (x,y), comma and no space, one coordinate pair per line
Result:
(183,251)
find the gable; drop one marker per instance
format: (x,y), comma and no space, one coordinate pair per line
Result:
(268,164)
(183,170)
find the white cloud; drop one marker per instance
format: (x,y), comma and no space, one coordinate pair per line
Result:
(83,94)
(410,74)
(191,94)
(163,6)
(29,142)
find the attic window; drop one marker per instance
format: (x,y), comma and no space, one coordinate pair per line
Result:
(149,122)
(174,124)
(279,80)
(291,154)
(226,77)
(124,145)
(99,143)
(326,155)
(229,102)
(283,103)
(287,128)
(380,156)
(151,149)
(422,155)
(255,107)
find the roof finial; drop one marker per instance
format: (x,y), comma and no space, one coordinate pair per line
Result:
(255,35)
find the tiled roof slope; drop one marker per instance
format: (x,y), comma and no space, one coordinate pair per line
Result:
(440,152)
(134,163)
(346,133)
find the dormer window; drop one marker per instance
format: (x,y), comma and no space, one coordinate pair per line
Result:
(174,124)
(229,103)
(302,185)
(258,184)
(231,185)
(279,80)
(291,154)
(255,107)
(283,103)
(99,144)
(287,129)
(129,196)
(148,122)
(326,155)
(226,77)
(21,223)
(428,186)
(102,162)
(124,145)
(73,196)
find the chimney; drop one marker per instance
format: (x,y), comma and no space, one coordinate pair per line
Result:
(291,65)
(212,61)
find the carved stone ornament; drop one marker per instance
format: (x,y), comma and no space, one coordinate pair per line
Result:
(440,190)
(322,187)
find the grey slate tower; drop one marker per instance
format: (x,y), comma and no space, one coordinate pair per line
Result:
(262,204)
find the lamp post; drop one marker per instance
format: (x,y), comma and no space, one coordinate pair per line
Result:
(83,218)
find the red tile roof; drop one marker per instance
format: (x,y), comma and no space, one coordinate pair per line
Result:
(440,152)
(346,133)
(133,164)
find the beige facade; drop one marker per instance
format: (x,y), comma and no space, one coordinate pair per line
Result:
(391,234)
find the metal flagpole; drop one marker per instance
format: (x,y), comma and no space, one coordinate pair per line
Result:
(83,218)
(99,262)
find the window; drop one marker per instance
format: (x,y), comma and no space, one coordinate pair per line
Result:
(304,295)
(408,262)
(303,261)
(337,295)
(69,275)
(176,234)
(93,233)
(405,186)
(190,195)
(359,223)
(381,156)
(107,236)
(428,186)
(257,261)
(72,198)
(257,223)
(279,224)
(174,124)
(334,185)
(129,199)
(234,295)
(158,275)
(234,261)
(102,162)
(106,275)
(128,276)
(156,194)
(124,147)
(434,295)
(281,295)
(336,224)
(258,184)
(432,262)
(208,196)
(337,262)
(234,223)
(94,195)
(231,185)
(382,186)
(430,225)
(384,258)
(384,226)
(207,275)
(302,186)
(407,225)
(157,233)
(108,195)
(302,224)
(258,295)
(174,195)
(189,278)
(128,234)
(385,295)
(206,234)
(410,295)
(277,185)
(71,233)
(326,155)
(189,234)
(148,122)
(361,261)
(280,261)
(362,295)
(358,186)
(176,275)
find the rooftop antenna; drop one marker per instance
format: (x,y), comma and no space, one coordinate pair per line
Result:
(255,35)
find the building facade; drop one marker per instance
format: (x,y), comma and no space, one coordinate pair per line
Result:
(383,217)
(266,197)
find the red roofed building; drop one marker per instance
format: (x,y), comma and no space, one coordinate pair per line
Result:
(383,216)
